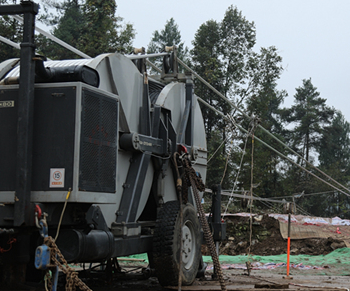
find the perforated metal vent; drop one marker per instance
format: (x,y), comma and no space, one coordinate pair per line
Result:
(98,143)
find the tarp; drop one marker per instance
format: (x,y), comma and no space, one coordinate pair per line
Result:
(303,227)
(306,262)
(339,256)
(300,219)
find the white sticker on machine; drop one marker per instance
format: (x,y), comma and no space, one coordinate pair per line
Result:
(56,178)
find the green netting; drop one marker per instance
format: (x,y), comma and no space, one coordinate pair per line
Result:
(339,256)
(139,257)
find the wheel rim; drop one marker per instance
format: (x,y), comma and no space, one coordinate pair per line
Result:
(188,244)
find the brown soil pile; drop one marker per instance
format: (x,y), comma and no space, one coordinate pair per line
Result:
(267,240)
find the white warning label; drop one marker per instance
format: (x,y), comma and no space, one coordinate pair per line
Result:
(5,104)
(56,178)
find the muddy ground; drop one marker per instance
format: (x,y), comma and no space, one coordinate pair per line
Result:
(267,240)
(315,280)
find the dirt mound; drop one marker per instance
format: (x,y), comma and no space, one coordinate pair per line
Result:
(266,239)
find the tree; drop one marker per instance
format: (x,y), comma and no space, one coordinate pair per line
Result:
(101,32)
(237,38)
(311,115)
(264,103)
(68,29)
(221,54)
(169,36)
(11,30)
(334,157)
(91,27)
(334,145)
(206,61)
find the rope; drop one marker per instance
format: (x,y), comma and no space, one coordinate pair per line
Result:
(228,156)
(236,181)
(219,147)
(191,179)
(47,280)
(309,194)
(179,193)
(63,210)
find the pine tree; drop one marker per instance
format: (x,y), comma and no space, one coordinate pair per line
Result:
(335,144)
(220,55)
(168,36)
(264,104)
(334,158)
(90,26)
(206,61)
(100,33)
(310,114)
(11,30)
(223,55)
(68,29)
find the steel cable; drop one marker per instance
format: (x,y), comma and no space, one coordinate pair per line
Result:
(259,126)
(273,149)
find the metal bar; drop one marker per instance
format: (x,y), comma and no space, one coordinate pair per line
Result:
(261,127)
(216,203)
(190,122)
(184,121)
(9,42)
(133,187)
(245,196)
(24,7)
(154,66)
(252,198)
(55,39)
(136,57)
(156,120)
(145,118)
(271,148)
(80,53)
(25,115)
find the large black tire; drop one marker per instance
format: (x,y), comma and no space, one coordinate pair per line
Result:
(166,244)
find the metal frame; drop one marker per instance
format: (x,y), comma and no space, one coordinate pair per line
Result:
(25,110)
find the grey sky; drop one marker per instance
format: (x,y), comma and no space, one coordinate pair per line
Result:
(312,36)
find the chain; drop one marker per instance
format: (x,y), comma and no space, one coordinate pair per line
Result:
(48,281)
(60,261)
(197,184)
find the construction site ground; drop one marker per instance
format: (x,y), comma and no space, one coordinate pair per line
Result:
(318,262)
(321,263)
(269,279)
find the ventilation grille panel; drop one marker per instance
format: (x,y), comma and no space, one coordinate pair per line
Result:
(98,152)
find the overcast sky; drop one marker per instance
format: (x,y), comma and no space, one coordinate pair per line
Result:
(312,36)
